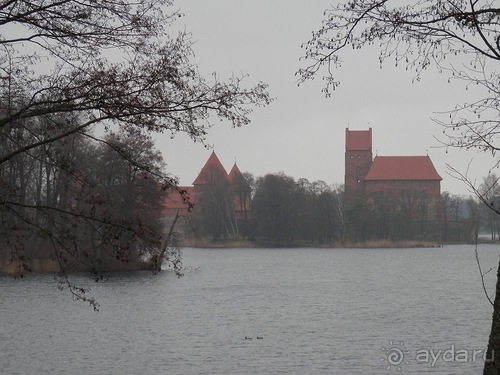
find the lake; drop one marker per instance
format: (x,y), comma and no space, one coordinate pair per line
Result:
(261,311)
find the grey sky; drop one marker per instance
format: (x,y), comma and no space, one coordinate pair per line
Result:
(302,133)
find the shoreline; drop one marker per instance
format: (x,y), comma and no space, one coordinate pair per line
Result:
(358,245)
(37,265)
(376,244)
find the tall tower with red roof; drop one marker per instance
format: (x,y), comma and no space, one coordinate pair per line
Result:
(241,193)
(358,160)
(212,172)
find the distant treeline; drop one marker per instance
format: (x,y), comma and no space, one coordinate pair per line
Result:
(282,210)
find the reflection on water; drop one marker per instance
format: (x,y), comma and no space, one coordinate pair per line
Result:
(317,311)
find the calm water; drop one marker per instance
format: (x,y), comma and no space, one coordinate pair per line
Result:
(318,311)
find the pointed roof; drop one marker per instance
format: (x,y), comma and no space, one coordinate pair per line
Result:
(402,168)
(234,173)
(357,140)
(211,171)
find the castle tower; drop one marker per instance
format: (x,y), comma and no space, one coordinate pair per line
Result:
(358,160)
(212,172)
(241,193)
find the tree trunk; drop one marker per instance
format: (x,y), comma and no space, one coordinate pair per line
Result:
(492,361)
(157,260)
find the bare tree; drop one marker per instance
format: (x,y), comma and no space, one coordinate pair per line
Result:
(490,193)
(461,37)
(107,65)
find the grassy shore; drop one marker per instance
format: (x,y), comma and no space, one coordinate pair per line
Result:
(379,244)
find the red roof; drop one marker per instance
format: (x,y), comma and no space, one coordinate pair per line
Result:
(211,171)
(234,173)
(358,139)
(174,201)
(402,168)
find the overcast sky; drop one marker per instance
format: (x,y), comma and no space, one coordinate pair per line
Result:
(302,133)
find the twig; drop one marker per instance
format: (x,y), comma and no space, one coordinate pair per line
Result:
(476,253)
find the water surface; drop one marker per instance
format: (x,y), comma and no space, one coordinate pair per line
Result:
(318,311)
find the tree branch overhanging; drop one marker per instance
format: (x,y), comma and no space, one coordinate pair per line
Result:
(69,72)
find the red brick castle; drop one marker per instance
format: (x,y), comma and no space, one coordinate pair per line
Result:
(386,175)
(211,176)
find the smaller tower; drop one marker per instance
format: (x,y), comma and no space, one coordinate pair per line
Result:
(358,160)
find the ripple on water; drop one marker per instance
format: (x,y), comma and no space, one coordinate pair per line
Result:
(318,311)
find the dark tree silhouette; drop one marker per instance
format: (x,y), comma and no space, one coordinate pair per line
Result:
(68,68)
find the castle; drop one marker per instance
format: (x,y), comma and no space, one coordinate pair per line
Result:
(385,175)
(213,179)
(365,176)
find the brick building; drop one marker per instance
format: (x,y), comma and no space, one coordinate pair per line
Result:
(385,175)
(212,175)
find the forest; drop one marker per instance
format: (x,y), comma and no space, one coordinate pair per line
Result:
(84,89)
(83,197)
(280,210)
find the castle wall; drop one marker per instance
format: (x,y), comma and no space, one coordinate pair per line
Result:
(387,174)
(395,187)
